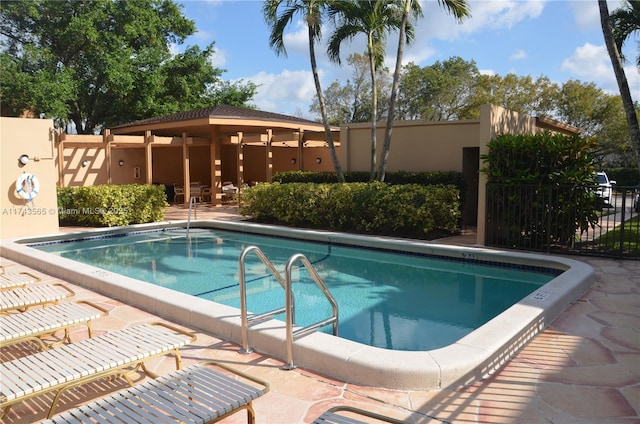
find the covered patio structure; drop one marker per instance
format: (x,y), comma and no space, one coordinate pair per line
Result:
(202,148)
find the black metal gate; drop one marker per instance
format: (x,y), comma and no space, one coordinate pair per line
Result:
(564,219)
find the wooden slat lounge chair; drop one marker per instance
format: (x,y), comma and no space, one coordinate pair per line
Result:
(33,295)
(333,416)
(11,280)
(117,353)
(35,323)
(196,394)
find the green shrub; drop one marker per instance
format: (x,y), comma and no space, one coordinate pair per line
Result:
(540,189)
(626,177)
(373,208)
(392,178)
(111,205)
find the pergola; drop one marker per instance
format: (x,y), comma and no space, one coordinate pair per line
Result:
(221,127)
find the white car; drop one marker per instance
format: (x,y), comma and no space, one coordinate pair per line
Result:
(605,187)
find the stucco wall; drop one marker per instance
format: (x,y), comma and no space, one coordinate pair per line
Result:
(84,166)
(33,137)
(415,145)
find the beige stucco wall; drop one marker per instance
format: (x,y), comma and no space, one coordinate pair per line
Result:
(77,174)
(35,138)
(415,145)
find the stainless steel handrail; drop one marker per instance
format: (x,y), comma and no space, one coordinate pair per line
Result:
(291,335)
(245,319)
(192,202)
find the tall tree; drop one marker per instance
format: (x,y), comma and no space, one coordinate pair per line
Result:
(279,14)
(459,9)
(621,78)
(103,62)
(626,21)
(351,102)
(375,19)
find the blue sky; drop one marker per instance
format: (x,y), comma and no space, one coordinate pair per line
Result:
(558,39)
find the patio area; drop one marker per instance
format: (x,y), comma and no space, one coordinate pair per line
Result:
(584,368)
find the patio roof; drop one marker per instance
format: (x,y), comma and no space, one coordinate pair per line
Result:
(228,119)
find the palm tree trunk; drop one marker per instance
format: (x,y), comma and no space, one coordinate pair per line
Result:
(374,111)
(323,109)
(621,78)
(394,92)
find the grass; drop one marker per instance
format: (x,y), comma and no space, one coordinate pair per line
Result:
(624,237)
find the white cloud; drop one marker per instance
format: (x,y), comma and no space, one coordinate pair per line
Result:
(518,55)
(174,49)
(495,14)
(489,72)
(297,41)
(219,58)
(589,62)
(586,14)
(286,92)
(592,63)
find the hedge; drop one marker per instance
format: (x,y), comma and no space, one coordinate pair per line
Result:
(392,178)
(111,205)
(373,208)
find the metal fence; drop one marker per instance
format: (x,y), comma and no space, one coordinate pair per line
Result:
(567,219)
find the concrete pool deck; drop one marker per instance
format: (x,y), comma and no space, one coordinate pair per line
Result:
(585,367)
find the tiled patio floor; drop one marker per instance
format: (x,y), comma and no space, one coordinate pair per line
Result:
(584,368)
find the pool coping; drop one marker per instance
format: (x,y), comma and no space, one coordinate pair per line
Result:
(474,356)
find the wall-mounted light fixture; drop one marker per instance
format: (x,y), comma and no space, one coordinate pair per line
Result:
(23,159)
(120,162)
(318,160)
(85,163)
(293,160)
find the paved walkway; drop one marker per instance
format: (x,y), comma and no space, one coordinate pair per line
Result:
(584,368)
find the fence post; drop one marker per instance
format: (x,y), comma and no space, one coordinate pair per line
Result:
(622,221)
(548,238)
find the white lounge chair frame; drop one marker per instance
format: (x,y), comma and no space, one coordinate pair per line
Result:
(33,324)
(196,394)
(11,280)
(33,295)
(117,353)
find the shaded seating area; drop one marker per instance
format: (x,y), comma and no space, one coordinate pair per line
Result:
(201,193)
(116,353)
(229,192)
(196,394)
(32,325)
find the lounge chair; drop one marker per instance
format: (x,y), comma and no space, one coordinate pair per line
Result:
(178,192)
(33,324)
(117,353)
(32,295)
(196,394)
(11,280)
(332,416)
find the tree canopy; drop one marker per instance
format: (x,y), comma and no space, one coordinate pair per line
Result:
(454,89)
(102,63)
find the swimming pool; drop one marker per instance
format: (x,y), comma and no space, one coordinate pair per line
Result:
(385,299)
(472,356)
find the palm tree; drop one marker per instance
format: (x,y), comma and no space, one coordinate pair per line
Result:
(312,11)
(616,61)
(376,19)
(460,10)
(626,21)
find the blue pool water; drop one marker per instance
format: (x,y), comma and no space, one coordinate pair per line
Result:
(386,299)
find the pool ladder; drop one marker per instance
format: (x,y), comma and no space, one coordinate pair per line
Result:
(289,308)
(193,204)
